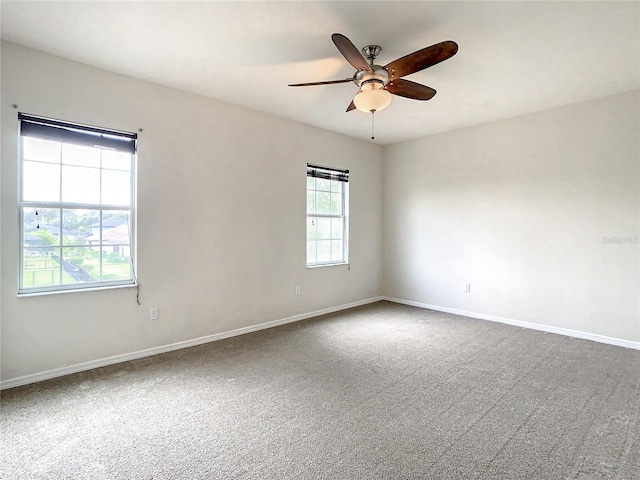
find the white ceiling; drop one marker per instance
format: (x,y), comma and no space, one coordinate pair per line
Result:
(514,57)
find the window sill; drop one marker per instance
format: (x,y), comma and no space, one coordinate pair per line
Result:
(322,265)
(76,290)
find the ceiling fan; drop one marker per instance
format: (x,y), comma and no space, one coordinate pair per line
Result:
(377,82)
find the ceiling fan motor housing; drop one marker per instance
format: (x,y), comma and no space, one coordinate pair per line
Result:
(378,79)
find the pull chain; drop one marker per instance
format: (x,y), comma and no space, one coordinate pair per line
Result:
(372,136)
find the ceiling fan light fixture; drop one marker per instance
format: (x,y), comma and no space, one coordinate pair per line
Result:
(373,100)
(377,83)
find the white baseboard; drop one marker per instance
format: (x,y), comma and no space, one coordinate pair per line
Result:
(103,362)
(619,342)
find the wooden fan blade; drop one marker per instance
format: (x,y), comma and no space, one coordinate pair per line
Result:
(352,106)
(328,82)
(350,52)
(409,89)
(416,61)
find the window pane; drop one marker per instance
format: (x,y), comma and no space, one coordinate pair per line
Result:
(311,202)
(336,250)
(90,260)
(116,263)
(116,160)
(38,268)
(324,251)
(81,156)
(336,204)
(78,268)
(41,227)
(323,230)
(115,228)
(311,228)
(116,188)
(323,202)
(311,183)
(77,225)
(40,150)
(323,184)
(40,182)
(80,185)
(336,186)
(311,252)
(337,228)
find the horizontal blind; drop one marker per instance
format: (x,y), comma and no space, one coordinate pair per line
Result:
(77,134)
(318,171)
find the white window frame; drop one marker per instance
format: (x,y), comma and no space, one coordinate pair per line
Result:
(341,176)
(77,134)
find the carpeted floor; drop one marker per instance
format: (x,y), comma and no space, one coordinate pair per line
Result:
(383,391)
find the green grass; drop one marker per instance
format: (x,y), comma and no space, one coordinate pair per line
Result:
(41,271)
(112,269)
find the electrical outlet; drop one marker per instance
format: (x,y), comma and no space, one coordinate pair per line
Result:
(467,288)
(154,313)
(297,289)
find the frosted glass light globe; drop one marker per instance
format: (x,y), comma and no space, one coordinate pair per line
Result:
(372,100)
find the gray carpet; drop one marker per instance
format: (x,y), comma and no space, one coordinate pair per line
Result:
(383,391)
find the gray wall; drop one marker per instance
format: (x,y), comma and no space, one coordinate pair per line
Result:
(221,218)
(538,213)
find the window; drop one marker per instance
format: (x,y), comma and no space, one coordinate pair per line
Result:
(327,216)
(76,199)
